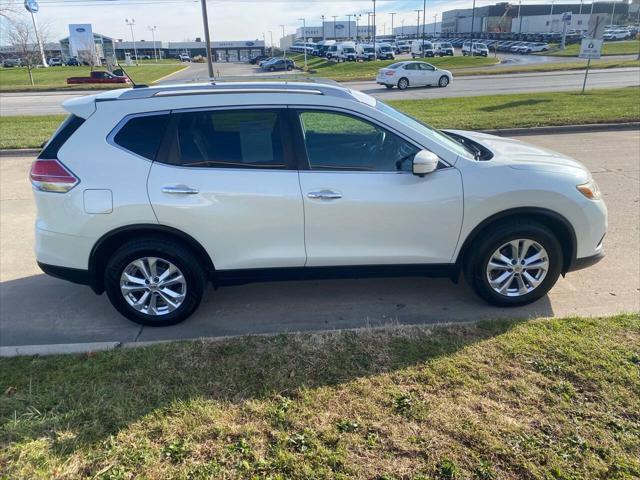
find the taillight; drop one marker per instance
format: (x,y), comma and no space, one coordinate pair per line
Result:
(389,72)
(52,176)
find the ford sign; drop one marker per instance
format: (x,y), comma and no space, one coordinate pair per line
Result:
(339,26)
(80,29)
(31,6)
(249,44)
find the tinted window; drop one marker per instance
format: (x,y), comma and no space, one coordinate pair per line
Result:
(231,139)
(142,135)
(64,132)
(336,141)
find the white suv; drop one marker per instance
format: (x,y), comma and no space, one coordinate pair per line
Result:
(148,193)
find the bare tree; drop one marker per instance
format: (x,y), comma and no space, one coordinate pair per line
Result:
(22,37)
(8,8)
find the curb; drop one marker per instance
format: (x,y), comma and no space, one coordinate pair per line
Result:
(56,349)
(20,152)
(593,127)
(168,75)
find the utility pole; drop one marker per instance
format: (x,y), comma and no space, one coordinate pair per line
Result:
(284,44)
(304,36)
(519,17)
(418,25)
(357,17)
(349,26)
(435,20)
(375,52)
(133,40)
(368,26)
(473,20)
(153,39)
(424,22)
(322,17)
(207,38)
(271,35)
(392,32)
(334,26)
(402,30)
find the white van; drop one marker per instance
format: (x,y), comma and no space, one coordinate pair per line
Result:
(346,52)
(365,52)
(421,49)
(477,49)
(443,49)
(384,51)
(332,52)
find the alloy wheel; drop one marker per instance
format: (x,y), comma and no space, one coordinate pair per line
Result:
(517,267)
(153,286)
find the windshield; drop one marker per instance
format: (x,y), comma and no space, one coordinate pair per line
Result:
(445,45)
(385,49)
(481,45)
(426,130)
(368,50)
(349,50)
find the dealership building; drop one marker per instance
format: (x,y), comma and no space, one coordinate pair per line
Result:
(335,31)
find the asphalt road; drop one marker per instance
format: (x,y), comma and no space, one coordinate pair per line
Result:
(44,103)
(37,309)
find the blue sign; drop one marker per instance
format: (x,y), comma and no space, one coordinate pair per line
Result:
(339,26)
(31,6)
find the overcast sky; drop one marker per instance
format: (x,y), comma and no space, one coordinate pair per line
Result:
(180,20)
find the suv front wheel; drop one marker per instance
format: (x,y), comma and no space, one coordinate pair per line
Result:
(515,264)
(154,282)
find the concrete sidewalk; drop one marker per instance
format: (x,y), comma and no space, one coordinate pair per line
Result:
(40,310)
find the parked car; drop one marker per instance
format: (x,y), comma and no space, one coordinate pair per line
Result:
(72,62)
(99,76)
(251,185)
(278,64)
(422,49)
(443,49)
(257,59)
(183,57)
(412,74)
(54,62)
(616,35)
(12,62)
(476,49)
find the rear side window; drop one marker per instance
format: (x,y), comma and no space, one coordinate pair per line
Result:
(230,139)
(142,134)
(64,132)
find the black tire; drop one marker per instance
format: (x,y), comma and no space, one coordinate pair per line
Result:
(164,249)
(403,83)
(482,249)
(389,86)
(272,69)
(443,82)
(289,68)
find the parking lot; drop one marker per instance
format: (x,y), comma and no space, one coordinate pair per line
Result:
(37,309)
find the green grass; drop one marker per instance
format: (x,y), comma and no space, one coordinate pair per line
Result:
(351,71)
(56,77)
(551,67)
(625,47)
(527,109)
(485,112)
(542,399)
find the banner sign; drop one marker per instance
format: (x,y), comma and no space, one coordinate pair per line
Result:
(81,39)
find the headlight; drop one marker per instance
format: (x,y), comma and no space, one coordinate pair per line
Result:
(590,190)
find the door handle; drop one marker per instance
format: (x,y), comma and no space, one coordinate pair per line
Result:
(324,195)
(180,190)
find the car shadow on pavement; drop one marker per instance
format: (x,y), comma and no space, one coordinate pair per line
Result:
(58,312)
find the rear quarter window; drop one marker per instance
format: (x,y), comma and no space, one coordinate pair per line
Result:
(142,134)
(64,132)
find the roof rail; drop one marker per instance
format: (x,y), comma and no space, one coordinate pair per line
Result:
(262,86)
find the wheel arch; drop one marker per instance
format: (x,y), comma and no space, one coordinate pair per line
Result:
(557,223)
(114,239)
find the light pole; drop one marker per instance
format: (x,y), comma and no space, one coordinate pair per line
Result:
(357,17)
(368,26)
(334,26)
(349,25)
(375,52)
(322,17)
(473,19)
(207,38)
(153,39)
(402,23)
(33,7)
(284,44)
(613,12)
(424,21)
(519,17)
(392,15)
(435,20)
(133,40)
(580,11)
(551,17)
(304,36)
(271,42)
(418,25)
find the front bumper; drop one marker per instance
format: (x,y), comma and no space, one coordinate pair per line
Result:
(585,262)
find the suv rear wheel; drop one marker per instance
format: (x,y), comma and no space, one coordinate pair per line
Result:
(515,264)
(154,282)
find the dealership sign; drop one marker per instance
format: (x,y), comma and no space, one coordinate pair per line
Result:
(31,6)
(81,40)
(590,48)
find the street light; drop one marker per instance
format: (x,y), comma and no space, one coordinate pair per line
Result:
(304,37)
(271,42)
(375,51)
(551,17)
(322,17)
(418,25)
(334,26)
(349,25)
(284,44)
(133,40)
(357,17)
(153,39)
(424,21)
(392,15)
(473,20)
(207,38)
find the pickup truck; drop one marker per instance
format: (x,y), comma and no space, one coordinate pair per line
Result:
(98,76)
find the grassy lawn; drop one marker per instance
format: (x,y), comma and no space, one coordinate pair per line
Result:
(542,399)
(56,77)
(625,47)
(347,71)
(550,67)
(527,109)
(485,112)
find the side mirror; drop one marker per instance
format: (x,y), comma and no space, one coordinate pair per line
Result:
(425,162)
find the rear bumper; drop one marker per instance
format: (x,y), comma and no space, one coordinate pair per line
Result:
(75,275)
